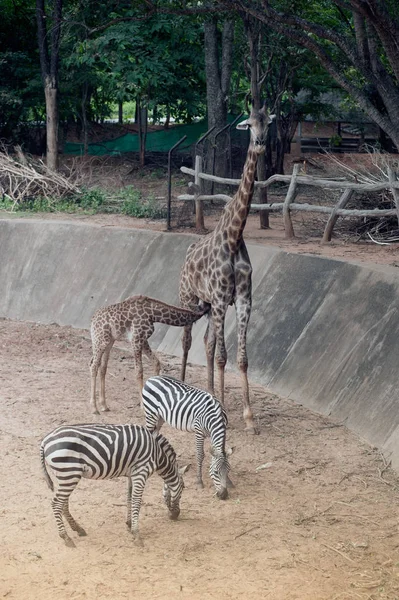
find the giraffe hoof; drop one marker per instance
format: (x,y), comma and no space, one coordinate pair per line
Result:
(251,431)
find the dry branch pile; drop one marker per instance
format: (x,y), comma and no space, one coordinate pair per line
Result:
(22,178)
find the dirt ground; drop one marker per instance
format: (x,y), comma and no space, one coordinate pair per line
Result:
(314,514)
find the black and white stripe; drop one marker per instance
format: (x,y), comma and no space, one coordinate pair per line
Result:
(105,452)
(165,399)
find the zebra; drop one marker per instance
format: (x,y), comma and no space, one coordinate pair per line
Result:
(97,451)
(165,399)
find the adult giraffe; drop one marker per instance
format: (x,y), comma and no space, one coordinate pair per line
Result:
(217,270)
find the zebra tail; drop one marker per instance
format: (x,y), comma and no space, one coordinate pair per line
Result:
(46,475)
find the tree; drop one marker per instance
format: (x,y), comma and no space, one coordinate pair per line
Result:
(218,50)
(356,41)
(20,85)
(49,48)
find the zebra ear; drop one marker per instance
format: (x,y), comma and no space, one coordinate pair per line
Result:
(184,469)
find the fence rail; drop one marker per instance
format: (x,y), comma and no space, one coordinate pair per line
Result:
(294,180)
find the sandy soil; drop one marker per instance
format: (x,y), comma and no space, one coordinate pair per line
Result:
(313,514)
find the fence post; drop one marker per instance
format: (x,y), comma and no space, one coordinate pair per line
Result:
(333,218)
(169,204)
(288,227)
(199,208)
(395,192)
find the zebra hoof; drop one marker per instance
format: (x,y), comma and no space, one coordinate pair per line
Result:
(138,541)
(230,484)
(129,525)
(200,485)
(95,412)
(68,542)
(81,532)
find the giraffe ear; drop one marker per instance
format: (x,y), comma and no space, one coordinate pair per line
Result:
(244,125)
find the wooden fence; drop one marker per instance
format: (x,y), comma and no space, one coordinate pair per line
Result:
(348,188)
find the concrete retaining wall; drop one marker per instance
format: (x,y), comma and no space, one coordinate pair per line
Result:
(323,332)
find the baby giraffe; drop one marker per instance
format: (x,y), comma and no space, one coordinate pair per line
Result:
(134,320)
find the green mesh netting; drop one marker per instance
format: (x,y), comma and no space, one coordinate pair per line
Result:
(157,141)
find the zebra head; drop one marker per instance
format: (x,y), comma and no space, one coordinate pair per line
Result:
(173,489)
(219,471)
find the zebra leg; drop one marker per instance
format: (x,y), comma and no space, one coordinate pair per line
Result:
(71,521)
(152,420)
(129,503)
(138,482)
(58,503)
(199,443)
(103,372)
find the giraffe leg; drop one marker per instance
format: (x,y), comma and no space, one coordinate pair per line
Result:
(103,372)
(210,345)
(152,356)
(218,315)
(186,343)
(243,312)
(94,364)
(138,361)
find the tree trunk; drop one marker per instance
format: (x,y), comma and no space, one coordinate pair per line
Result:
(142,115)
(50,91)
(218,68)
(48,33)
(120,112)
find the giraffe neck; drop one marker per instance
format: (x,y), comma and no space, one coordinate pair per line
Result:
(236,211)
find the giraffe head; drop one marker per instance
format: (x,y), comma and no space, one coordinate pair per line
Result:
(258,124)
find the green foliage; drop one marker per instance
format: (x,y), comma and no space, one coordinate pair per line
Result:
(128,201)
(135,206)
(335,141)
